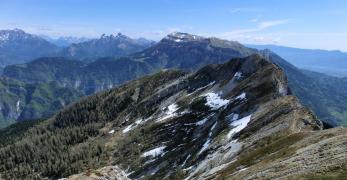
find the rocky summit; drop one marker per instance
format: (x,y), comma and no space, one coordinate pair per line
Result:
(235,120)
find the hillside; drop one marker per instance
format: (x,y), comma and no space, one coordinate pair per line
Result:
(228,121)
(20,101)
(88,78)
(334,90)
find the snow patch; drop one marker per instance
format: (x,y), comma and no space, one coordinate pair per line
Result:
(214,101)
(238,125)
(233,117)
(154,152)
(199,123)
(133,125)
(208,141)
(241,96)
(238,75)
(128,128)
(205,146)
(18,105)
(178,40)
(171,112)
(185,161)
(111,132)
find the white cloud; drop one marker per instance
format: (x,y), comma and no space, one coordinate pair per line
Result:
(267,24)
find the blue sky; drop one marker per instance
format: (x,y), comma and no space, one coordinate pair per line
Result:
(298,23)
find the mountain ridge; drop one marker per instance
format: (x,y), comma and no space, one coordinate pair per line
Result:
(232,120)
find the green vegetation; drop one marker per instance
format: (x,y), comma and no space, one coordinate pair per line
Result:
(20,101)
(72,141)
(334,174)
(340,114)
(15,131)
(51,152)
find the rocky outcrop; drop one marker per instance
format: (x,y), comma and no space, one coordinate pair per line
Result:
(105,173)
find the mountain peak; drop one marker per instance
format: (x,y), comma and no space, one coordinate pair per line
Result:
(182,37)
(118,36)
(15,30)
(18,30)
(15,34)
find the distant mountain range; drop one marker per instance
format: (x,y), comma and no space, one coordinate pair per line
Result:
(17,46)
(328,62)
(106,46)
(179,51)
(66,40)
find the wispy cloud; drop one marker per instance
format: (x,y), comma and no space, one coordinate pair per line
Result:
(267,24)
(251,34)
(261,26)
